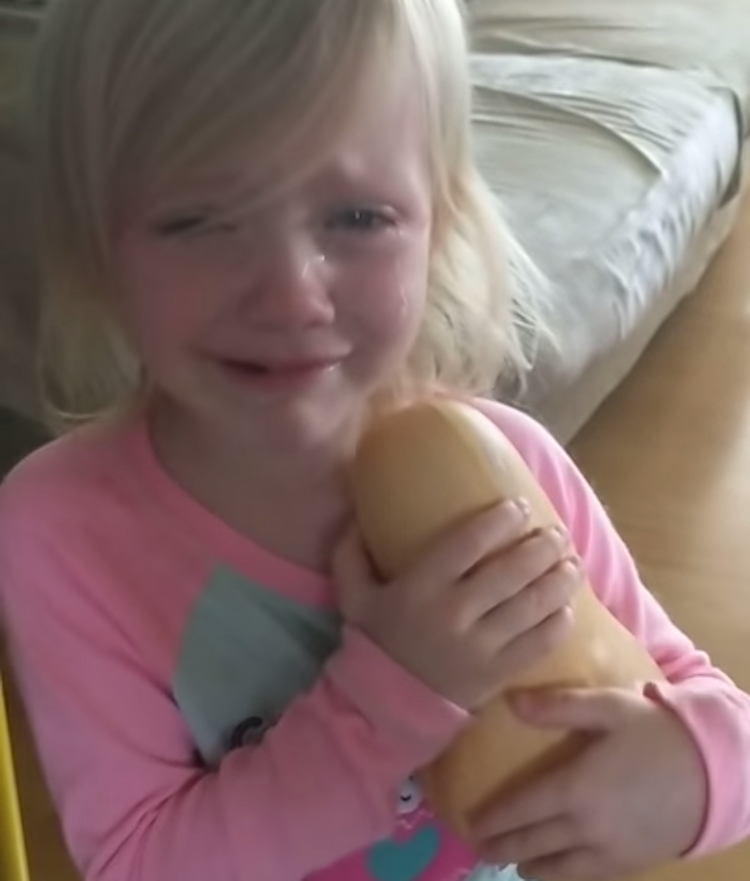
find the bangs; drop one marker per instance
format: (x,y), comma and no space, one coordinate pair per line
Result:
(278,82)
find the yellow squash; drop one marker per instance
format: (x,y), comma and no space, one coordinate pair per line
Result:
(420,471)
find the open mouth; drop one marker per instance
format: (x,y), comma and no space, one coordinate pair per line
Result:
(246,367)
(258,369)
(276,375)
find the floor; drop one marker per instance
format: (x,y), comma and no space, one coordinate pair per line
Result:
(670,455)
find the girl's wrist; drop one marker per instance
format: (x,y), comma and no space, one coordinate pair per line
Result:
(392,698)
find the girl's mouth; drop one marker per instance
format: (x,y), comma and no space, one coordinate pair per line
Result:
(286,376)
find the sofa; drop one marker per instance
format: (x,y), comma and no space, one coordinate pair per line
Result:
(613,135)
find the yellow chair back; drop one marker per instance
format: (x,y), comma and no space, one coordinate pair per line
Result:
(13,861)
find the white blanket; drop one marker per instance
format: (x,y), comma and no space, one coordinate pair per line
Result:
(707,38)
(607,173)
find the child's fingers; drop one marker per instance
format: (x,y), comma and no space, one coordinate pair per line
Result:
(456,554)
(544,800)
(534,842)
(524,585)
(597,710)
(525,650)
(583,864)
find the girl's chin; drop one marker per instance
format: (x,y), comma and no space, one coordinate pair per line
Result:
(325,416)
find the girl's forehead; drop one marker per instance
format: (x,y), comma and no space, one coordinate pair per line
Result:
(375,140)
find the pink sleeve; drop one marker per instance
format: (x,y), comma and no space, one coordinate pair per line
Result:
(714,710)
(134,803)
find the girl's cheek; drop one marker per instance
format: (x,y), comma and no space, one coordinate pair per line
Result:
(159,307)
(409,294)
(390,313)
(397,289)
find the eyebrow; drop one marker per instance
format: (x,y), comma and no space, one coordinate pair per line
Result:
(203,196)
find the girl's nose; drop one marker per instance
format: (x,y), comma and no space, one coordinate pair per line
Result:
(292,286)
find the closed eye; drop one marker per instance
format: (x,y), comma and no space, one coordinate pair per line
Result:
(192,224)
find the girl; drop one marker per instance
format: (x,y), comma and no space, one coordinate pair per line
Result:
(261,220)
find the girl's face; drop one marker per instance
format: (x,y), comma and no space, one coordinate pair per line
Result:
(277,322)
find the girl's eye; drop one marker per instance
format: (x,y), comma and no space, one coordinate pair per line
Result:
(361,220)
(192,224)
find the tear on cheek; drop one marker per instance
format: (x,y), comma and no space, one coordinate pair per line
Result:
(407,304)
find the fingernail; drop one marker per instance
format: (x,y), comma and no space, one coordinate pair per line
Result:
(561,533)
(523,506)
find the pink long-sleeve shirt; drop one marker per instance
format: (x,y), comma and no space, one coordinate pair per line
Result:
(201,712)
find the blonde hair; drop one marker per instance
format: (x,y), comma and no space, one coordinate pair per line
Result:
(135,94)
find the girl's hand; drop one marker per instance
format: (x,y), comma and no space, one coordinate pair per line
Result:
(462,623)
(634,798)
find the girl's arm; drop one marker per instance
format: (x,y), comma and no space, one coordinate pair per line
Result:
(135,804)
(714,710)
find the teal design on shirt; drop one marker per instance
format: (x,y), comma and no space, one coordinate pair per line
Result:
(247,652)
(404,861)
